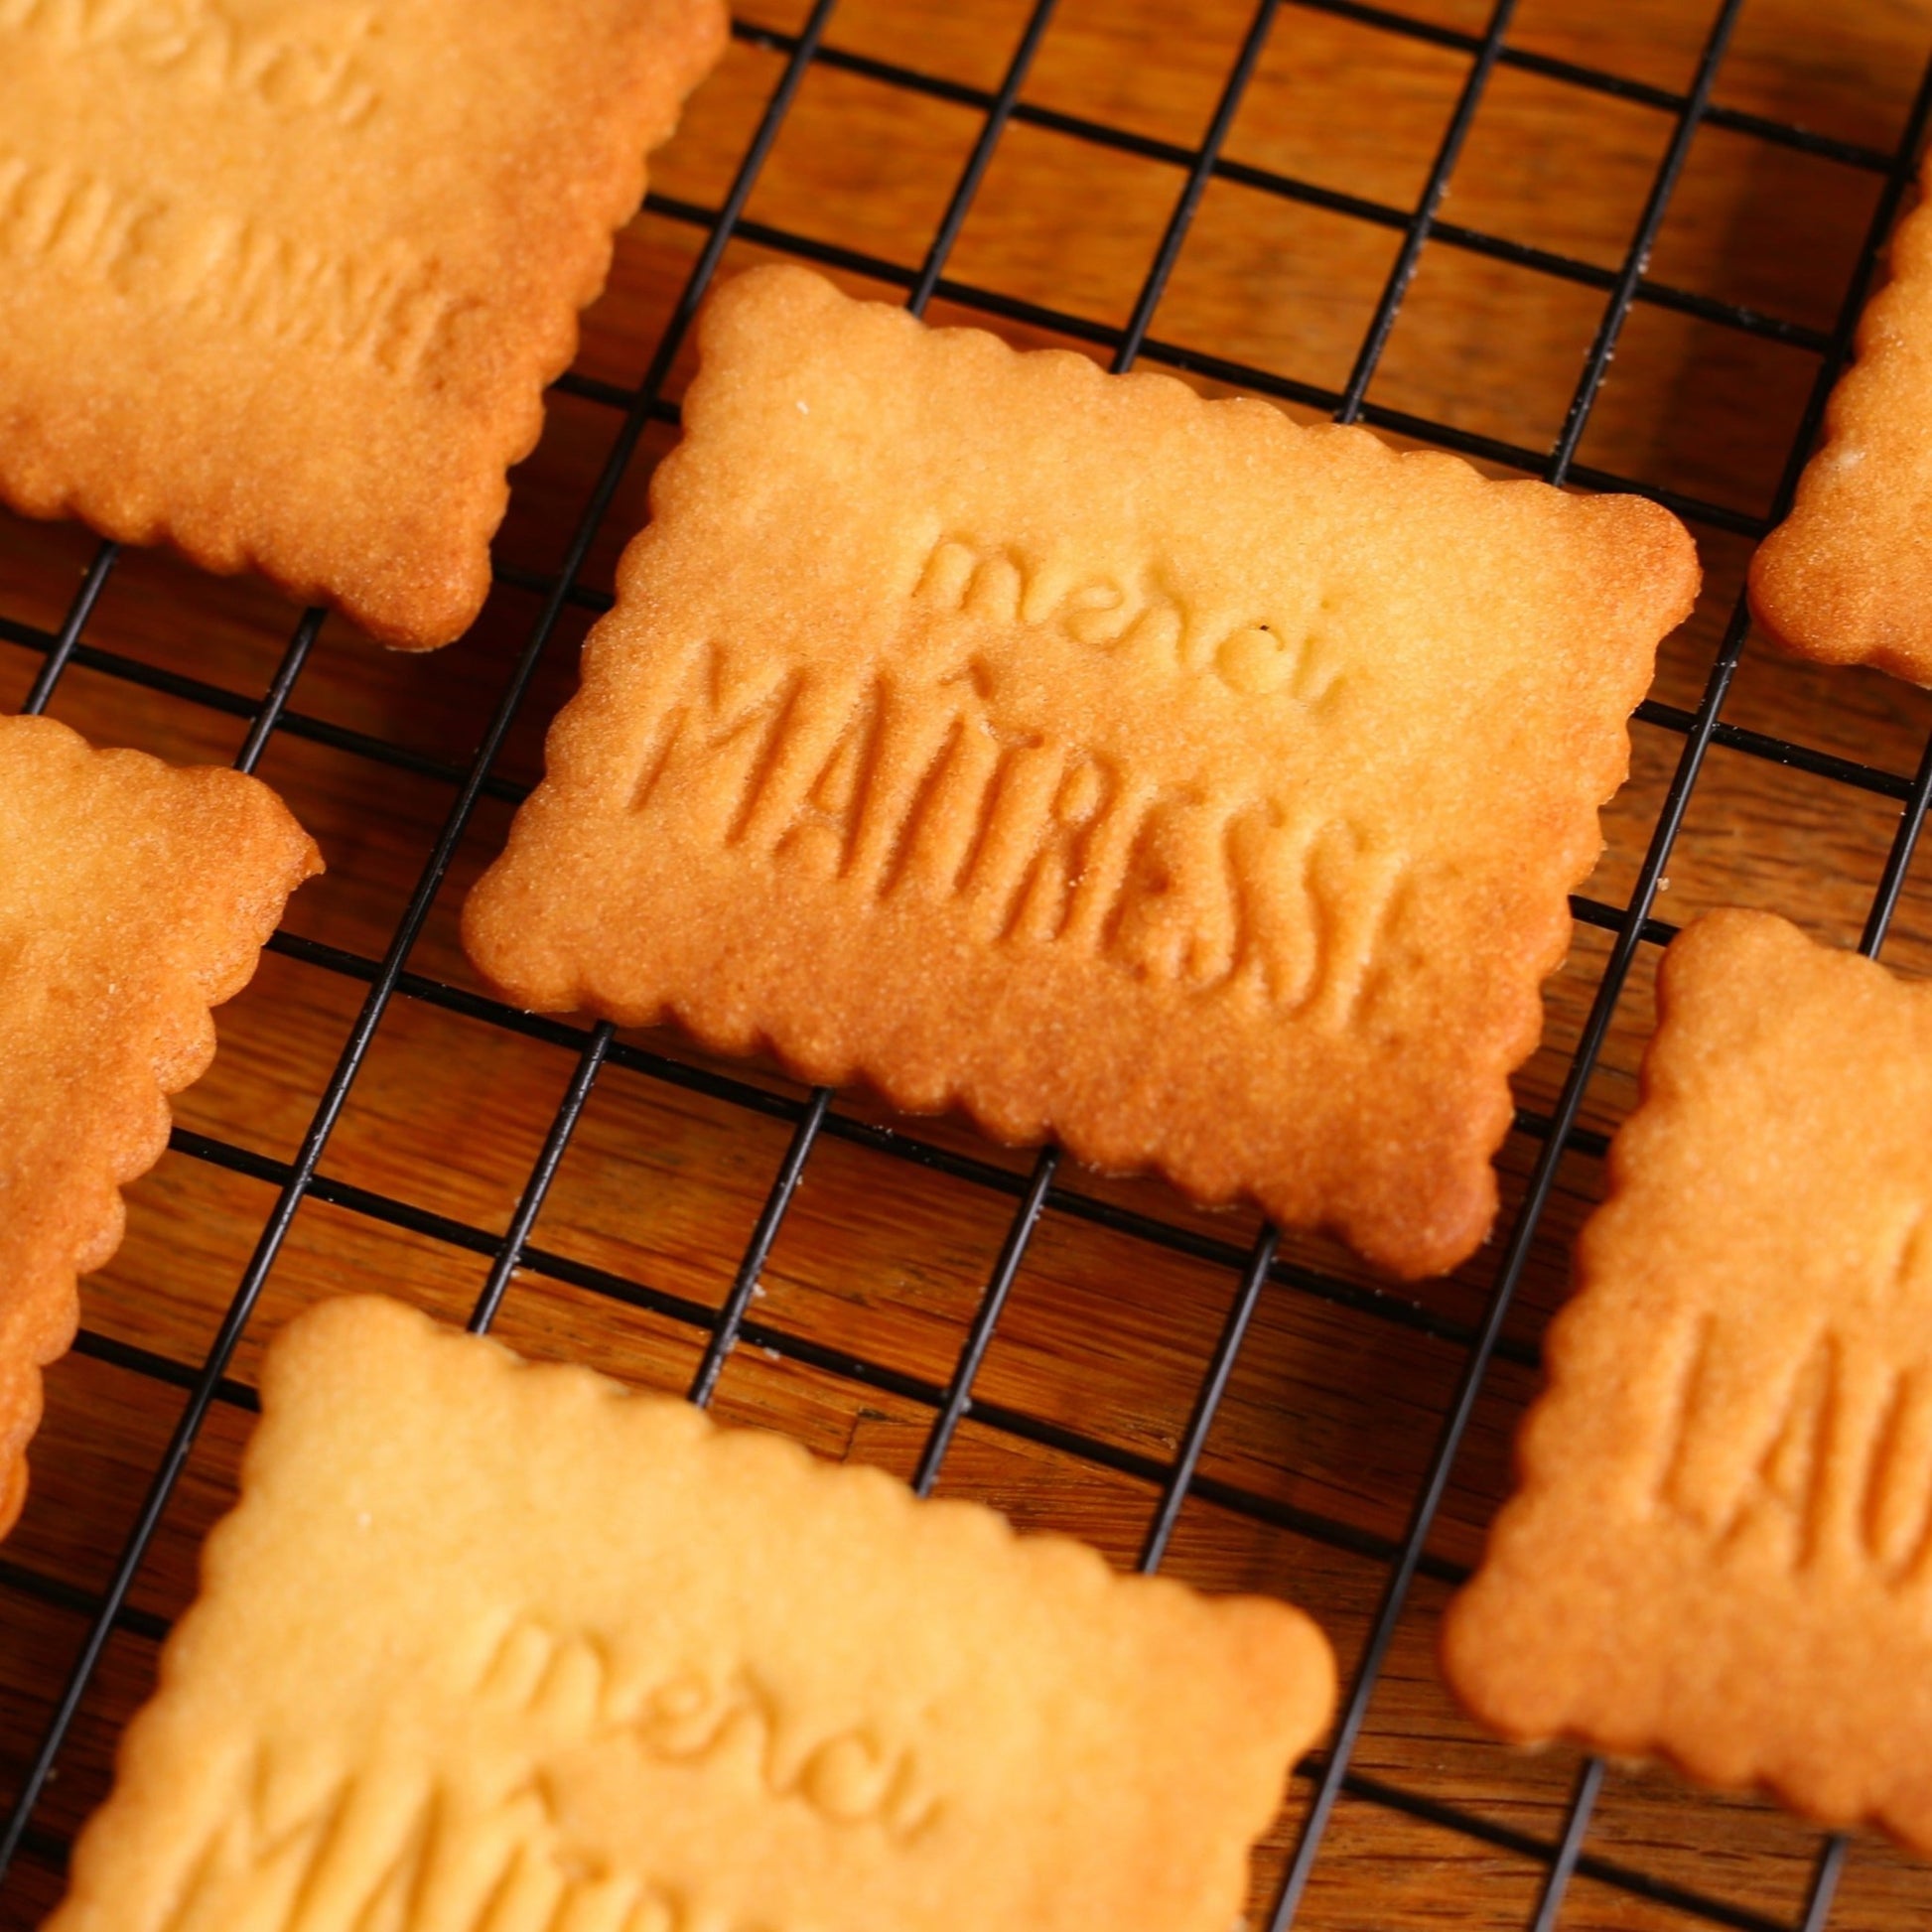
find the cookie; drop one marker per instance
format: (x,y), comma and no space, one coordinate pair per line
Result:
(1154,773)
(133,897)
(1847,578)
(1721,1548)
(282,281)
(494,1646)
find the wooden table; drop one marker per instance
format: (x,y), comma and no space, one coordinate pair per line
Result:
(1340,1394)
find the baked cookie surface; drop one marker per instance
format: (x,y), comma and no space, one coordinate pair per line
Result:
(492,1645)
(1847,578)
(1721,1547)
(1199,788)
(133,897)
(284,280)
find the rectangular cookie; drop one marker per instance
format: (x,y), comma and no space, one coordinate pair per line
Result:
(496,1648)
(1847,578)
(133,897)
(1720,1546)
(1151,772)
(282,281)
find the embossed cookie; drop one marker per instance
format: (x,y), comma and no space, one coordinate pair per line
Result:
(494,1646)
(1721,1546)
(1847,578)
(282,281)
(133,897)
(1156,774)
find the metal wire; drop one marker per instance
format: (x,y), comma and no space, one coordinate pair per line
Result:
(1035,1195)
(1422,225)
(61,648)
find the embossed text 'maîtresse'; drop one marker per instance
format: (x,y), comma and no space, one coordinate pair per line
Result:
(204,47)
(382,1851)
(907,784)
(380,308)
(397,1847)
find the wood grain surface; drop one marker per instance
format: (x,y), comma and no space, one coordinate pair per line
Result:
(1339,1393)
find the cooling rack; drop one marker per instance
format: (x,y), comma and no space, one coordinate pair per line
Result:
(1190,1391)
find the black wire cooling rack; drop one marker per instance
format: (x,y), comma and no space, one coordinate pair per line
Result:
(1034,1194)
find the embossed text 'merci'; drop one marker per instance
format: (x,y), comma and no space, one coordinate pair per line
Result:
(1137,614)
(202,44)
(380,309)
(396,1844)
(896,783)
(569,1691)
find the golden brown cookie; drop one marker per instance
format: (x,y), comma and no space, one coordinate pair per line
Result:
(1847,578)
(511,1648)
(133,897)
(1721,1550)
(282,281)
(1199,788)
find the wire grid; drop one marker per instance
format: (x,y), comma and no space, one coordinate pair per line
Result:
(1034,1193)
